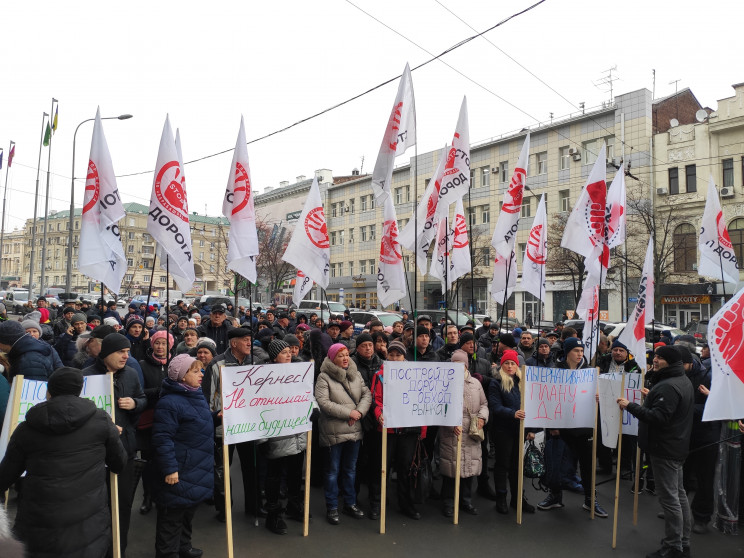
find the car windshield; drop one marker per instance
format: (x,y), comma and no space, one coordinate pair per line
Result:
(388,319)
(336,307)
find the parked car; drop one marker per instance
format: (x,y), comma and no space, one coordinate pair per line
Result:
(699,330)
(652,336)
(321,308)
(578,325)
(453,317)
(360,318)
(16,302)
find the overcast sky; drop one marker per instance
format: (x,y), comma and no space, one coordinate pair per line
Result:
(206,63)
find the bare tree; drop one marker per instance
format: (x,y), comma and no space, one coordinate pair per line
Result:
(271,269)
(562,261)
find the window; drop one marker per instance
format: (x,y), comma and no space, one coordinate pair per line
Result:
(685,248)
(372,266)
(372,232)
(484,257)
(564,201)
(485,214)
(129,278)
(363,267)
(472,177)
(351,268)
(736,232)
(674,180)
(690,178)
(504,171)
(591,149)
(211,269)
(485,177)
(352,203)
(364,203)
(351,236)
(472,211)
(201,256)
(333,265)
(333,210)
(146,264)
(364,234)
(163,278)
(526,207)
(130,261)
(728,173)
(201,243)
(542,162)
(333,238)
(564,158)
(130,249)
(399,195)
(371,201)
(130,235)
(522,247)
(407,193)
(341,237)
(211,256)
(146,237)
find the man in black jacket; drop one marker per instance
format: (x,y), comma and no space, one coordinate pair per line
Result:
(63,446)
(664,429)
(216,327)
(130,402)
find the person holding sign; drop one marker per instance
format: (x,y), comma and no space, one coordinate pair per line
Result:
(63,445)
(344,399)
(182,441)
(504,402)
(475,408)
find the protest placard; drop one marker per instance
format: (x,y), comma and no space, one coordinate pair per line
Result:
(609,412)
(423,393)
(266,400)
(559,398)
(633,385)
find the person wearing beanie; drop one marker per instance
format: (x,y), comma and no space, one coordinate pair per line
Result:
(64,322)
(130,401)
(421,349)
(189,340)
(178,327)
(33,358)
(380,342)
(664,432)
(543,356)
(204,351)
(475,407)
(239,353)
(113,322)
(64,445)
(343,399)
(33,328)
(111,312)
(619,360)
(506,341)
(65,345)
(183,446)
(398,347)
(284,456)
(138,336)
(216,327)
(578,440)
(346,329)
(451,343)
(294,346)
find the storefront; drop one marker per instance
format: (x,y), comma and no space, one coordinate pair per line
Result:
(680,310)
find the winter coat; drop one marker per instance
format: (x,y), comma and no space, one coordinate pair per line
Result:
(486,341)
(4,396)
(665,419)
(154,373)
(474,401)
(539,361)
(503,404)
(606,364)
(283,446)
(429,356)
(216,334)
(367,367)
(32,358)
(338,392)
(66,347)
(702,432)
(126,384)
(445,353)
(63,508)
(183,441)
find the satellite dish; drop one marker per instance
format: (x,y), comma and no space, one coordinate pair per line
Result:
(701,115)
(674,122)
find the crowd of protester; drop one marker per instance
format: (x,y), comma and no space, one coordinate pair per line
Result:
(166,365)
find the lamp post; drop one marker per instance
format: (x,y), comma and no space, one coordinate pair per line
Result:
(68,281)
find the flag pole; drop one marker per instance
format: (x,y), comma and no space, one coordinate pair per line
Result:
(167,309)
(5,193)
(250,314)
(470,248)
(46,209)
(446,265)
(149,289)
(36,205)
(506,291)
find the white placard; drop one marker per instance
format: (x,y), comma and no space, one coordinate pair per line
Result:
(266,400)
(423,393)
(559,398)
(632,393)
(609,412)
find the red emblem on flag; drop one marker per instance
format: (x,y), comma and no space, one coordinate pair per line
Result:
(515,192)
(534,250)
(723,235)
(242,185)
(92,184)
(316,229)
(388,252)
(170,192)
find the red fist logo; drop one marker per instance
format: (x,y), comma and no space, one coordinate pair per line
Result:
(729,337)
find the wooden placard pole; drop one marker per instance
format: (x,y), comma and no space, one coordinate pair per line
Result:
(520,449)
(15,406)
(308,452)
(638,458)
(226,479)
(458,467)
(383,481)
(594,447)
(617,474)
(114,486)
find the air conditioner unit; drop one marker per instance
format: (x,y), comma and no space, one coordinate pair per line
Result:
(576,156)
(661,191)
(346,209)
(727,192)
(572,151)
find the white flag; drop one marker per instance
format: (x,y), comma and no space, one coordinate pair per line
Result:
(303,284)
(504,277)
(717,256)
(238,208)
(634,334)
(101,255)
(426,217)
(461,259)
(585,228)
(456,179)
(588,310)
(169,211)
(615,212)
(536,254)
(391,274)
(506,227)
(726,340)
(309,248)
(452,251)
(400,134)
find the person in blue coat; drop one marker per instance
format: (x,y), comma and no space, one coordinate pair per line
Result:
(33,358)
(182,438)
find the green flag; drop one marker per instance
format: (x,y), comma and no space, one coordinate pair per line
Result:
(47,134)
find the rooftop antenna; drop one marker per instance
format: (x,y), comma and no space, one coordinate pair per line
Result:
(361,168)
(607,81)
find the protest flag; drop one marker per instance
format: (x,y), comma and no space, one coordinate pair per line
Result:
(506,227)
(536,254)
(238,207)
(726,341)
(54,122)
(169,211)
(302,286)
(615,214)
(456,179)
(391,274)
(101,255)
(11,155)
(634,334)
(504,277)
(309,249)
(717,256)
(588,310)
(400,134)
(452,252)
(47,135)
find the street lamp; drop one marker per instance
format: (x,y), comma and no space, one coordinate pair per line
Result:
(68,281)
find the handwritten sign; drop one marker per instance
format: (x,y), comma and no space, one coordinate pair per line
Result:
(559,398)
(609,391)
(632,393)
(423,393)
(266,400)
